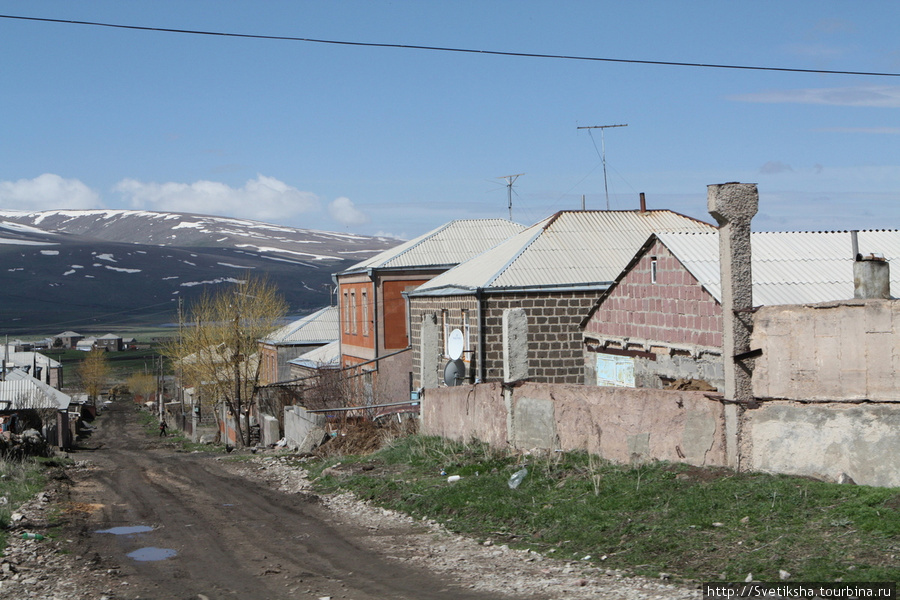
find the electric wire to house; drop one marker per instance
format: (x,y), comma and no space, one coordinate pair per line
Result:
(288,38)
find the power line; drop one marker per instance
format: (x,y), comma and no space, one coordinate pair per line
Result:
(451,49)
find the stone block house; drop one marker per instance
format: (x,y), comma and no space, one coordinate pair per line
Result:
(373,310)
(554,271)
(661,320)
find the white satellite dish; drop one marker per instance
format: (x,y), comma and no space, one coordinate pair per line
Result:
(455,344)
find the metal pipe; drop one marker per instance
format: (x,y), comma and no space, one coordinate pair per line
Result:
(854,242)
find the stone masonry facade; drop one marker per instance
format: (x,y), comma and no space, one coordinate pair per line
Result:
(554,333)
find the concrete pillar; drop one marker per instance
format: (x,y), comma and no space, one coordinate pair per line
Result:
(733,205)
(429,351)
(515,345)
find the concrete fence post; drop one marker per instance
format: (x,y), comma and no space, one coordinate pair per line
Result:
(733,206)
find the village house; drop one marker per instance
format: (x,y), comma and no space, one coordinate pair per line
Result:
(373,310)
(295,339)
(554,271)
(27,403)
(67,339)
(40,366)
(109,342)
(661,321)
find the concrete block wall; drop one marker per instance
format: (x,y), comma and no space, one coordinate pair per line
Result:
(830,352)
(454,305)
(554,333)
(674,310)
(303,430)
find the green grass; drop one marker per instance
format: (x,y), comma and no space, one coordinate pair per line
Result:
(19,481)
(699,524)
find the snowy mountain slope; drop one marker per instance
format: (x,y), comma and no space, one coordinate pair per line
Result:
(70,269)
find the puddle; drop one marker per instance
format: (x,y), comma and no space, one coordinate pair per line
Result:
(151,553)
(126,530)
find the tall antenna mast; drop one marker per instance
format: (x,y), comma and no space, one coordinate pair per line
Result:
(509,183)
(603,157)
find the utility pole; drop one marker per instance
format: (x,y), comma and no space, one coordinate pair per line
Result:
(603,156)
(509,183)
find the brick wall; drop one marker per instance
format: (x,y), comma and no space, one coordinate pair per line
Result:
(675,310)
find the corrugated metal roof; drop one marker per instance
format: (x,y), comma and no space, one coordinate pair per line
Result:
(567,249)
(27,359)
(789,267)
(22,391)
(319,327)
(449,244)
(328,355)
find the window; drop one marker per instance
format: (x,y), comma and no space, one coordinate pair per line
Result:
(365,313)
(353,312)
(345,313)
(652,269)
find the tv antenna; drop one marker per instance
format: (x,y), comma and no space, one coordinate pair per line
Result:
(603,156)
(509,183)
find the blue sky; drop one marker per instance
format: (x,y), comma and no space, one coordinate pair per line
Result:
(398,141)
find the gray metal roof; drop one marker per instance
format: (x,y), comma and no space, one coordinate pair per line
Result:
(27,359)
(448,245)
(320,327)
(789,267)
(568,249)
(328,355)
(19,391)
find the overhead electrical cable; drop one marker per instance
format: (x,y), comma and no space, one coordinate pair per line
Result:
(450,49)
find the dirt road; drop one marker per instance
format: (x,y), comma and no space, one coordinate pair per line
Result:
(216,535)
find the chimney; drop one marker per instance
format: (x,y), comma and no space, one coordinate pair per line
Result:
(643,203)
(872,278)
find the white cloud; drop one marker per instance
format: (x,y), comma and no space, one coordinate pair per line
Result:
(877,96)
(263,198)
(46,192)
(774,166)
(344,212)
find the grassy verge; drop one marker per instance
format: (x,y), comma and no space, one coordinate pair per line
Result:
(700,524)
(19,482)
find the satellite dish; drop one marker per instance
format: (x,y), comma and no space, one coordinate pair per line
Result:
(454,372)
(455,344)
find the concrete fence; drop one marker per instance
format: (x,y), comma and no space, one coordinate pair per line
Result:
(620,424)
(630,425)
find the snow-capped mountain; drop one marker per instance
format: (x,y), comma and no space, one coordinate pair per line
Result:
(65,269)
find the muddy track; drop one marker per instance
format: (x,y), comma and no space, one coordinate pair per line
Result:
(231,536)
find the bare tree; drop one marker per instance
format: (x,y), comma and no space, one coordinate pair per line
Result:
(141,384)
(216,351)
(94,373)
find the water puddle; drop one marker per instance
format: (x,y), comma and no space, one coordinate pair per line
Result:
(127,530)
(151,553)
